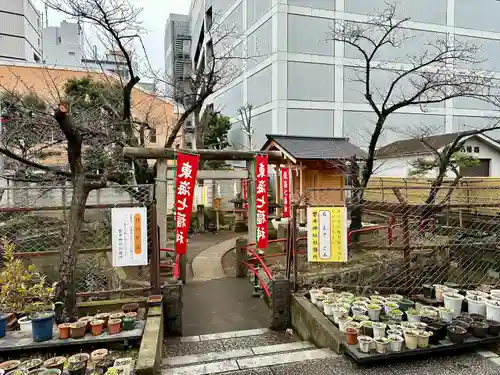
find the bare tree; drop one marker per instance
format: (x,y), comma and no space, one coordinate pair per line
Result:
(245,113)
(421,79)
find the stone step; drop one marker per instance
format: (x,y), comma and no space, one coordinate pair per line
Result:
(237,353)
(251,362)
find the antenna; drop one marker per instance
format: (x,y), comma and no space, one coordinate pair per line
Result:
(46,15)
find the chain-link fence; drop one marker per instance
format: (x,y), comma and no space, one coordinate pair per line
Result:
(412,235)
(36,220)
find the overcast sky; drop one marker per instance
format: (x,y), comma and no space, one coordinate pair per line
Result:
(154,17)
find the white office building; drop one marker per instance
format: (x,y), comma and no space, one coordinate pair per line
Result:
(62,44)
(20,26)
(301,84)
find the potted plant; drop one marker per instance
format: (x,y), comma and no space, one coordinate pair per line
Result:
(117,315)
(374,311)
(96,327)
(379,329)
(25,325)
(64,329)
(130,307)
(127,361)
(314,293)
(423,339)
(413,315)
(381,344)
(319,301)
(394,332)
(454,302)
(155,300)
(31,364)
(95,371)
(326,290)
(446,314)
(79,358)
(395,343)
(456,334)
(342,320)
(479,329)
(358,310)
(114,326)
(328,305)
(128,323)
(494,327)
(367,328)
(78,329)
(405,304)
(396,315)
(476,304)
(55,362)
(396,297)
(18,371)
(24,290)
(365,343)
(103,316)
(338,312)
(388,306)
(351,335)
(493,309)
(37,371)
(360,318)
(77,368)
(478,317)
(411,339)
(9,365)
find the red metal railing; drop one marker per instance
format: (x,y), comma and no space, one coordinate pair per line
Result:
(175,266)
(263,284)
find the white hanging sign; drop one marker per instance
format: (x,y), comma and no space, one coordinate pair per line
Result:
(129,236)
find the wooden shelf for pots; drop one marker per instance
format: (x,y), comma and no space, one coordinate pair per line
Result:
(17,340)
(444,346)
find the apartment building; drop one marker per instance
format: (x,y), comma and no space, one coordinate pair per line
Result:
(20,26)
(301,84)
(62,44)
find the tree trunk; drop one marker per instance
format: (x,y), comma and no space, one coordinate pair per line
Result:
(69,253)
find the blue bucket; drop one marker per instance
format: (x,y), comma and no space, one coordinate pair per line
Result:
(3,324)
(43,327)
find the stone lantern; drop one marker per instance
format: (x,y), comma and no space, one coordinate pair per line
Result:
(240,224)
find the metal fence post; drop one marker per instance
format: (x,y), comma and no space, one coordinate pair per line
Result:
(241,256)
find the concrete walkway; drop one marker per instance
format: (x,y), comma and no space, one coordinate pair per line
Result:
(207,265)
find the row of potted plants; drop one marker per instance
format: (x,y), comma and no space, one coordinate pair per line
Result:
(95,325)
(102,361)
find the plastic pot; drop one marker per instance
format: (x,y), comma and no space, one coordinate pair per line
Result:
(37,371)
(439,289)
(98,355)
(78,368)
(429,291)
(328,306)
(114,326)
(438,330)
(453,301)
(396,343)
(394,332)
(464,318)
(493,327)
(64,330)
(314,293)
(104,364)
(337,313)
(411,339)
(379,329)
(3,325)
(103,316)
(78,329)
(55,362)
(86,320)
(351,336)
(31,364)
(388,306)
(25,325)
(373,311)
(18,371)
(365,344)
(413,316)
(381,344)
(42,326)
(479,329)
(476,293)
(134,307)
(456,334)
(446,314)
(96,327)
(478,317)
(367,328)
(423,339)
(325,290)
(128,323)
(342,320)
(9,365)
(462,324)
(405,304)
(395,315)
(476,305)
(319,303)
(79,358)
(493,310)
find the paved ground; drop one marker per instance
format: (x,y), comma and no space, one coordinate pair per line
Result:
(220,306)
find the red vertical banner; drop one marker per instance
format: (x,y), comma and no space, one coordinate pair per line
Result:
(245,193)
(261,200)
(185,182)
(285,188)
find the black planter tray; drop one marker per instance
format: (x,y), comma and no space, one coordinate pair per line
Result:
(16,340)
(444,346)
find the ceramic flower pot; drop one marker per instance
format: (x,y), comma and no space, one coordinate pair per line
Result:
(365,343)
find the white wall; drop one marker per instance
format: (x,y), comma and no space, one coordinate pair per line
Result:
(400,166)
(61,45)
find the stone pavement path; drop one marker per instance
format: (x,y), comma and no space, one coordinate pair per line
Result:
(264,352)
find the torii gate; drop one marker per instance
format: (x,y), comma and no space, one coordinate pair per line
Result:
(163,155)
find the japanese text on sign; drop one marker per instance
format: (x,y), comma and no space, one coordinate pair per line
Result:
(327,234)
(245,193)
(285,187)
(261,199)
(185,182)
(129,236)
